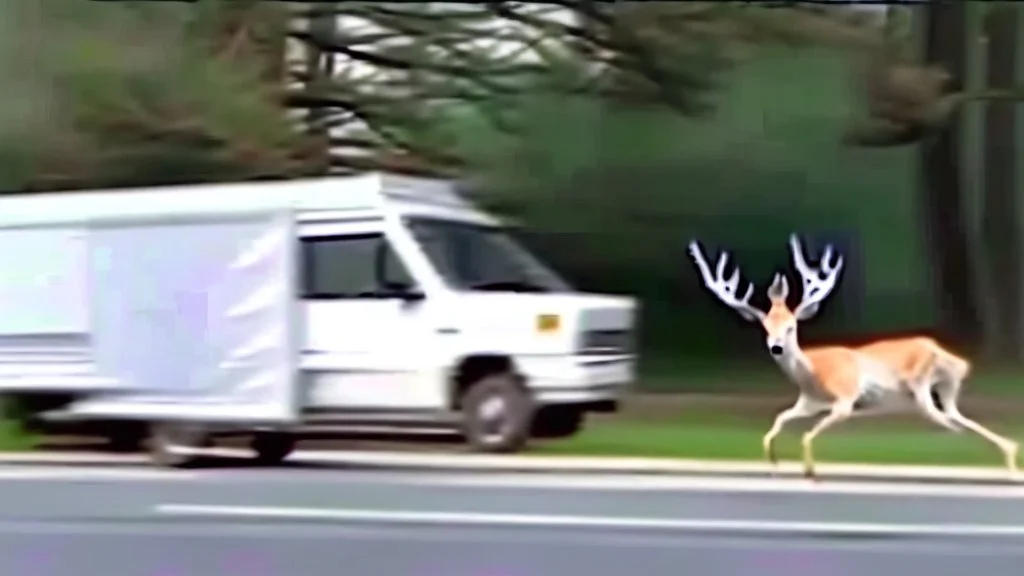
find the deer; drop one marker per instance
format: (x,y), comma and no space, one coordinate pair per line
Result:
(911,374)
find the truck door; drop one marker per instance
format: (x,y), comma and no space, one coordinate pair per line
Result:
(369,336)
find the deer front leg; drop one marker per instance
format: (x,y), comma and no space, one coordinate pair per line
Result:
(802,408)
(840,412)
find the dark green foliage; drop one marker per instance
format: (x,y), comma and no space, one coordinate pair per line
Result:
(132,93)
(612,195)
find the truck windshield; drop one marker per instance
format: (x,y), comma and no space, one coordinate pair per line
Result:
(486,258)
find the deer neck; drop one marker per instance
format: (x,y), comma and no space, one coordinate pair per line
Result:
(797,367)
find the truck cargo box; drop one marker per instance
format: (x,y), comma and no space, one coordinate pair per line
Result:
(186,315)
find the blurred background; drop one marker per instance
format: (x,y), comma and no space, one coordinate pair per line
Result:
(613,132)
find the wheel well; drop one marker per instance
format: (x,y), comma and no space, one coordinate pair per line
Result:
(472,368)
(27,407)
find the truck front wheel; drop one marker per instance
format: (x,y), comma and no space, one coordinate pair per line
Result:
(497,414)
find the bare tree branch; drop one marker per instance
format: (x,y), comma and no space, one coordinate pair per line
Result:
(398,66)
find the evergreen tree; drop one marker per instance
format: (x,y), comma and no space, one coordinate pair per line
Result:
(139,93)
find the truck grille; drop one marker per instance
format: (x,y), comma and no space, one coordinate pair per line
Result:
(607,342)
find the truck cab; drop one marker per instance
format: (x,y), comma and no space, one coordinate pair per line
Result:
(425,312)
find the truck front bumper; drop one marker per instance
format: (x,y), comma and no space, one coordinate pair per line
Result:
(597,381)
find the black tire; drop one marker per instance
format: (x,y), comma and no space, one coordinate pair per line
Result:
(165,436)
(126,438)
(555,422)
(508,430)
(272,448)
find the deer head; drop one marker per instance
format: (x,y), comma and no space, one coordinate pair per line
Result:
(780,321)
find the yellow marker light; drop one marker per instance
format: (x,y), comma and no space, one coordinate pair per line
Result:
(548,323)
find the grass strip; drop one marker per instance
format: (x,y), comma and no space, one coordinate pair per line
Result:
(865,441)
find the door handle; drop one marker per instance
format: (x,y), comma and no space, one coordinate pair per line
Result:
(447,330)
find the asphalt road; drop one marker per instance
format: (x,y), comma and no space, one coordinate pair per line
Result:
(301,522)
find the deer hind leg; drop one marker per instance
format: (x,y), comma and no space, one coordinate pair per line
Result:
(802,408)
(934,411)
(921,382)
(949,391)
(938,402)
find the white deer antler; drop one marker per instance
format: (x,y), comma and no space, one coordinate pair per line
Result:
(819,282)
(725,289)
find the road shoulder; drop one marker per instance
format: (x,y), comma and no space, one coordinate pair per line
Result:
(544,464)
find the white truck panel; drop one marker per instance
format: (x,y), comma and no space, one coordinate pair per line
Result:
(189,319)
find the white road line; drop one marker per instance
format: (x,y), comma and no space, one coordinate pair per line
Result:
(66,474)
(549,464)
(521,481)
(405,517)
(640,483)
(67,458)
(628,465)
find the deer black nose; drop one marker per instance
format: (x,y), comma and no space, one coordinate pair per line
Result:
(776,350)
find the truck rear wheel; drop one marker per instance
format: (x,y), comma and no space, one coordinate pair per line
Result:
(125,437)
(272,448)
(166,437)
(497,414)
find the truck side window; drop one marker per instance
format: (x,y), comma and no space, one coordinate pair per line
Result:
(351,267)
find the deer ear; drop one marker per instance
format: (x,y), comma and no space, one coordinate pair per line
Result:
(779,290)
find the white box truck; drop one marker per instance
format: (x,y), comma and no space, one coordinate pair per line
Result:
(284,308)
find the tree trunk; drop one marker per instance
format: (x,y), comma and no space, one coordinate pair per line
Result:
(1000,233)
(940,199)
